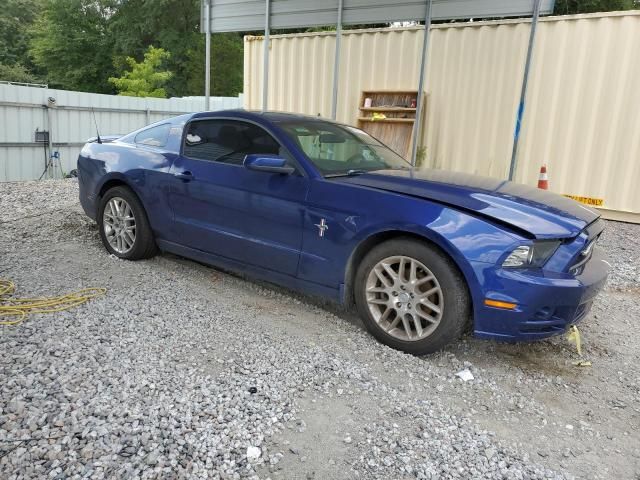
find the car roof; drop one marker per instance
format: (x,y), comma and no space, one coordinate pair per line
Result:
(269,115)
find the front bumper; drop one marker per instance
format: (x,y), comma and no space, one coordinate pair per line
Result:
(548,303)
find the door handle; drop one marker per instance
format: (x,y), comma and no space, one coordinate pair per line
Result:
(185,176)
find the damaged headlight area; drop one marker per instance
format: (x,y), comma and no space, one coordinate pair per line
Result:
(531,256)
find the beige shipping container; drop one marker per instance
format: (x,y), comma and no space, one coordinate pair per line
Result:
(582,114)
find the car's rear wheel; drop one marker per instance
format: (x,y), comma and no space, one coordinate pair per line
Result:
(124,227)
(411,296)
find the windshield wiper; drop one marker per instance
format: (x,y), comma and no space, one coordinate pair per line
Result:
(348,173)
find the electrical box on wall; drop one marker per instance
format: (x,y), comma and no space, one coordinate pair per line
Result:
(41,136)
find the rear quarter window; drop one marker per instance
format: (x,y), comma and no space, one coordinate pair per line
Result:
(154,136)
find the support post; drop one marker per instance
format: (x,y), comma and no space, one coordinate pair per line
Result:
(265,60)
(51,171)
(336,62)
(207,54)
(523,91)
(417,125)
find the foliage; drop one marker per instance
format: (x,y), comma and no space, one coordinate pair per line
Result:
(174,25)
(226,65)
(17,73)
(145,79)
(80,44)
(568,7)
(15,15)
(71,42)
(421,156)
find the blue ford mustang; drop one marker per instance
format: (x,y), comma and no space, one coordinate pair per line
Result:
(327,209)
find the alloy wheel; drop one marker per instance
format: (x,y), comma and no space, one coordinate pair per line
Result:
(119,225)
(404,298)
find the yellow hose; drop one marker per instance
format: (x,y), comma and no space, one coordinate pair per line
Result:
(21,307)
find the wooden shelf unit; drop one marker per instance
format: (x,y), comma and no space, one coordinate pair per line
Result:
(386,120)
(396,128)
(387,109)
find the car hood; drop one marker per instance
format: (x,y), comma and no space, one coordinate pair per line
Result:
(540,213)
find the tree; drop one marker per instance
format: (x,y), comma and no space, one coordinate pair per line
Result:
(16,16)
(145,79)
(174,25)
(568,7)
(80,44)
(71,43)
(227,63)
(17,73)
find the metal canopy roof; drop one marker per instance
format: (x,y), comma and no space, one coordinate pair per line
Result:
(249,15)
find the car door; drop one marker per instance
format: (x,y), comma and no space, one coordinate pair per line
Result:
(225,209)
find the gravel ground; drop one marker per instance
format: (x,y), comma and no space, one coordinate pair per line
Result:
(182,370)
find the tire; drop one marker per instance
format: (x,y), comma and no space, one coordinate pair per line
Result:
(437,284)
(139,243)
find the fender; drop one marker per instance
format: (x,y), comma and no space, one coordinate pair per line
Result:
(137,184)
(108,181)
(368,238)
(115,177)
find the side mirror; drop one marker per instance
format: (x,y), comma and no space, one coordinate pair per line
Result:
(264,163)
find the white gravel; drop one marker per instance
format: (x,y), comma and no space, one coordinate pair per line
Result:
(183,371)
(621,242)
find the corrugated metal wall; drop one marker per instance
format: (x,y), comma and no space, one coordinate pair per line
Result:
(22,111)
(583,107)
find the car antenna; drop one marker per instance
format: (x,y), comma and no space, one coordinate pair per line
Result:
(96,124)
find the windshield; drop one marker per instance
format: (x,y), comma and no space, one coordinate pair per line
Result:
(340,149)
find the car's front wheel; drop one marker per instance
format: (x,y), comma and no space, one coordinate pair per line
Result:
(411,296)
(124,227)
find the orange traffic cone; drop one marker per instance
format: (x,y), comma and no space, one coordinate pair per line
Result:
(543,181)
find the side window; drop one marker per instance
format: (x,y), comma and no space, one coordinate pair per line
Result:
(228,141)
(154,136)
(333,144)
